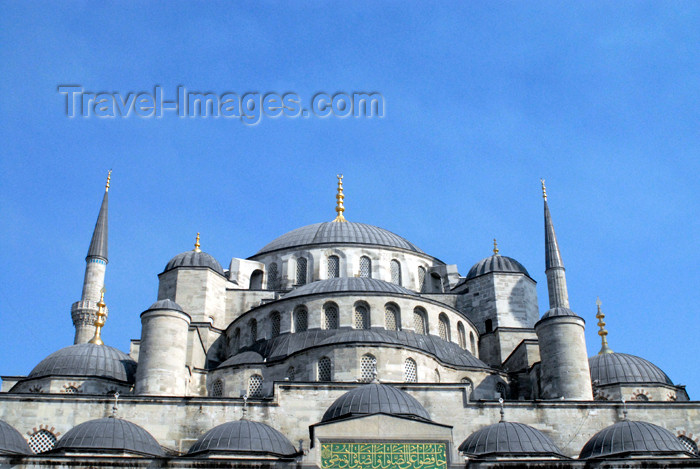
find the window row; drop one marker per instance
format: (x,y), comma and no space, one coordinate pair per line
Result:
(330,320)
(333,271)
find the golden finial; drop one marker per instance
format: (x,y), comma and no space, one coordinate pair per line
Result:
(100,321)
(196,244)
(602,332)
(339,197)
(109,176)
(495,247)
(544,190)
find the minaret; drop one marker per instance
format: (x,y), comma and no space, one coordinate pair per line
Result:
(84,312)
(564,370)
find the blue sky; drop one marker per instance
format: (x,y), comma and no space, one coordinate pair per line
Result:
(482,99)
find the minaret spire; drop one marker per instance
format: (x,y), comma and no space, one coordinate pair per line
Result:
(85,312)
(602,332)
(554,266)
(339,208)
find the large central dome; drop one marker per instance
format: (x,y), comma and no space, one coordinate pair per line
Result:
(337,233)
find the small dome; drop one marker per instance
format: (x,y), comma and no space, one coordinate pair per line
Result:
(375,398)
(614,368)
(244,436)
(349,284)
(11,441)
(509,439)
(339,233)
(166,304)
(559,311)
(110,434)
(631,438)
(496,263)
(89,360)
(194,259)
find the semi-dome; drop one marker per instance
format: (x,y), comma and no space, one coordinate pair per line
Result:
(87,360)
(194,258)
(496,263)
(375,398)
(166,304)
(614,368)
(509,439)
(339,233)
(244,437)
(109,434)
(349,284)
(631,438)
(11,441)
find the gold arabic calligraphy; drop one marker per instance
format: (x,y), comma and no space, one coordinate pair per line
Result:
(342,455)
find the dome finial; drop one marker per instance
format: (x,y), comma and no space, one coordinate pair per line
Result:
(544,190)
(100,321)
(503,411)
(602,332)
(196,244)
(109,177)
(495,247)
(339,208)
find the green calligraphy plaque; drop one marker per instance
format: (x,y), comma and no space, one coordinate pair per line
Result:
(384,455)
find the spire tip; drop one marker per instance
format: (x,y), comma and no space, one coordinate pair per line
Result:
(109,177)
(544,190)
(495,247)
(339,208)
(197,245)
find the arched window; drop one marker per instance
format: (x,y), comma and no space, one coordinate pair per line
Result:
(217,389)
(689,444)
(468,384)
(437,375)
(420,325)
(253,326)
(488,324)
(330,316)
(361,317)
(301,271)
(301,319)
(392,321)
(272,277)
(501,390)
(421,279)
(395,272)
(324,369)
(42,441)
(462,335)
(275,324)
(256,279)
(437,282)
(333,267)
(410,373)
(255,388)
(365,267)
(71,390)
(291,373)
(444,327)
(368,368)
(472,342)
(640,397)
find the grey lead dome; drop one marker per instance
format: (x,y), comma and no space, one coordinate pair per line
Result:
(110,434)
(631,437)
(11,442)
(244,436)
(496,263)
(613,368)
(375,398)
(87,359)
(339,233)
(194,259)
(346,284)
(509,439)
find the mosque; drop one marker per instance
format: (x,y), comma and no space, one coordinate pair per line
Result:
(344,345)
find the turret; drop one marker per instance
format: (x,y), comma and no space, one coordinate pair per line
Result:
(84,312)
(560,332)
(163,352)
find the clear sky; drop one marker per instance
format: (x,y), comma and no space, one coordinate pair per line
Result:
(481,100)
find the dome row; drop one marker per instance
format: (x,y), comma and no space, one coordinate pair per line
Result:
(503,439)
